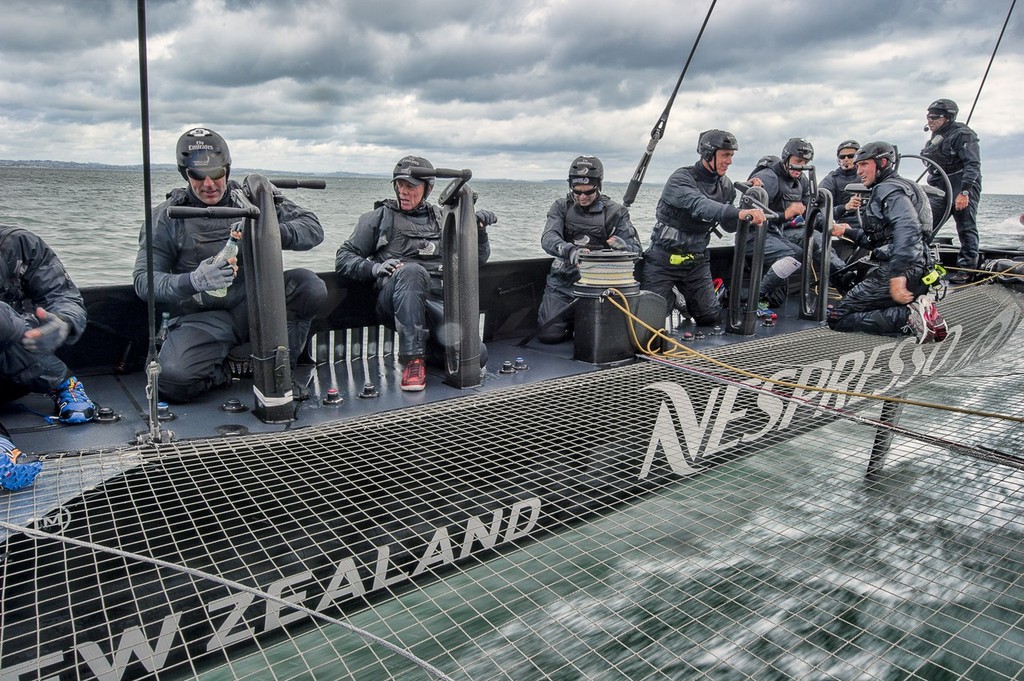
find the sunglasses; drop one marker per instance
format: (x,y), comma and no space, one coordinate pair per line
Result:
(584,192)
(200,175)
(934,117)
(847,155)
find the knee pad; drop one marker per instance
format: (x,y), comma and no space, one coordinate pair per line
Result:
(784,267)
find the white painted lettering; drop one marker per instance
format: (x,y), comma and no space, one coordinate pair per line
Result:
(666,435)
(224,636)
(476,531)
(823,368)
(380,572)
(870,368)
(725,416)
(133,640)
(839,380)
(345,583)
(771,405)
(274,618)
(439,550)
(514,531)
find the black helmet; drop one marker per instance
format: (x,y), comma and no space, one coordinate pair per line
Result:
(202,150)
(848,144)
(586,170)
(876,151)
(711,141)
(946,108)
(799,147)
(405,165)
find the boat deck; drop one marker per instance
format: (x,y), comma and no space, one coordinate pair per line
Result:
(125,395)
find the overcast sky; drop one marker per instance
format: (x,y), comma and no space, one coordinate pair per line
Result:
(512,89)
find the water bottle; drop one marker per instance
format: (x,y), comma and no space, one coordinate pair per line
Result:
(229,251)
(165,327)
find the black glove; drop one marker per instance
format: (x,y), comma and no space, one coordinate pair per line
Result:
(48,336)
(617,243)
(386,268)
(485,217)
(210,275)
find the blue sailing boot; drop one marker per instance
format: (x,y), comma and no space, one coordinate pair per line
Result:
(14,475)
(73,405)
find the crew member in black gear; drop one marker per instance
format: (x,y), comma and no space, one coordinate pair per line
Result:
(583,220)
(844,207)
(844,203)
(204,327)
(41,310)
(892,300)
(764,162)
(694,201)
(954,147)
(398,246)
(789,193)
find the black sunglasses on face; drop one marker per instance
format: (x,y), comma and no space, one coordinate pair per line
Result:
(847,155)
(934,117)
(584,192)
(200,175)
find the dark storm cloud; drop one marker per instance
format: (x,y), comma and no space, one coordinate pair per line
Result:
(513,87)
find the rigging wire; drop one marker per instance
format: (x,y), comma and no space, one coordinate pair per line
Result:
(230,584)
(990,60)
(984,77)
(659,128)
(153,367)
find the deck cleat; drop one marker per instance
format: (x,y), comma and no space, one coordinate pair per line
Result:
(686,336)
(507,367)
(369,391)
(333,398)
(231,406)
(520,364)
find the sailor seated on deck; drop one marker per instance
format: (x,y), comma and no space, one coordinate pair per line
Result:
(579,222)
(40,310)
(207,299)
(893,299)
(398,246)
(789,195)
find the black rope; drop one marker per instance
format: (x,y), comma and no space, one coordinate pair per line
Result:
(659,128)
(990,60)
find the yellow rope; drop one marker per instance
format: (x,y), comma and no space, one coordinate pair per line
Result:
(685,351)
(992,274)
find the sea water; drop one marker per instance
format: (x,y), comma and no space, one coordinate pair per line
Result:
(92,218)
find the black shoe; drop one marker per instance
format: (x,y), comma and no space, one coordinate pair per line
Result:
(960,277)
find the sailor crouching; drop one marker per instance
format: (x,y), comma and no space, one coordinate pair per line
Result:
(893,299)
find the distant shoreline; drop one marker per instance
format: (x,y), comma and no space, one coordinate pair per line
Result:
(167,167)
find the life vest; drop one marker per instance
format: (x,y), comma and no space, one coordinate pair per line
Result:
(410,237)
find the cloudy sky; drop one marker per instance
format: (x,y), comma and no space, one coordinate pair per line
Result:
(511,89)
